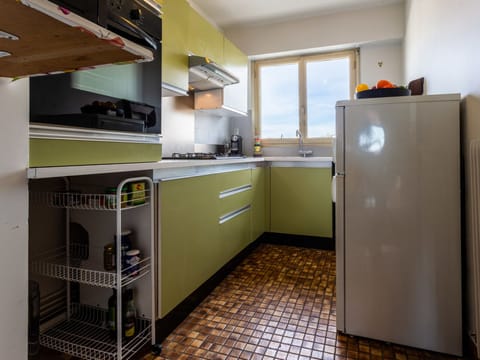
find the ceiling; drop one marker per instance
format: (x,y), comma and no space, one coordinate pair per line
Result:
(233,13)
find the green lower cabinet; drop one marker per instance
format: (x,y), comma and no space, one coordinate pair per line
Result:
(301,201)
(258,202)
(204,222)
(189,251)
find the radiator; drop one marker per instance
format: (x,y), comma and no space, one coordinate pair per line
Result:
(475,235)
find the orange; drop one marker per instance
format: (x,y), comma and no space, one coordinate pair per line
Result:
(361,87)
(382,84)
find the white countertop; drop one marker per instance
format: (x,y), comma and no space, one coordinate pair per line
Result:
(60,171)
(326,159)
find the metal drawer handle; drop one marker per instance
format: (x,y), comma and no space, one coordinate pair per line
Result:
(233,191)
(231,215)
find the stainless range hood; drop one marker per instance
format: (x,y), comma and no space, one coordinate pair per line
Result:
(205,74)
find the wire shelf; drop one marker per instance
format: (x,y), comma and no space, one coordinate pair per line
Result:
(55,264)
(81,201)
(86,336)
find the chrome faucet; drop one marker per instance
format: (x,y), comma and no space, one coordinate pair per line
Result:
(301,150)
(300,140)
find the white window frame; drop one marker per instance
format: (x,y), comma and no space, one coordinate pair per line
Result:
(352,55)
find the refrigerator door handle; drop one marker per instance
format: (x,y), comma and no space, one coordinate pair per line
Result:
(340,249)
(335,180)
(340,139)
(334,186)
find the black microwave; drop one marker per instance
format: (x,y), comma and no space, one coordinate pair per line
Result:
(137,20)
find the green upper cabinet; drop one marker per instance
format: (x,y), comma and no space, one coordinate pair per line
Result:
(175,45)
(203,38)
(301,201)
(186,32)
(235,61)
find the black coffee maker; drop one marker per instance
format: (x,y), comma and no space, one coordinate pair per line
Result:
(236,143)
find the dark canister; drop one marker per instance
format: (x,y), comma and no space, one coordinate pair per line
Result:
(109,257)
(126,245)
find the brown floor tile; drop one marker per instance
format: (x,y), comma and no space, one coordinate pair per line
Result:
(279,303)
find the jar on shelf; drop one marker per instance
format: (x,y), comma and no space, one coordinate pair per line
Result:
(109,258)
(137,193)
(133,260)
(111,197)
(126,245)
(129,314)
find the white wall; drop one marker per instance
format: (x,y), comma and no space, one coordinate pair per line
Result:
(328,31)
(13,218)
(382,61)
(441,45)
(341,30)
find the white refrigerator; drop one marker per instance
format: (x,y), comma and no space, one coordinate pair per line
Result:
(397,220)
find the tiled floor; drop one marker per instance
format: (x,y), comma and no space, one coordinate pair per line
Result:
(279,303)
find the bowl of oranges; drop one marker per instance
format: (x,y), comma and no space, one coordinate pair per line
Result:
(383,88)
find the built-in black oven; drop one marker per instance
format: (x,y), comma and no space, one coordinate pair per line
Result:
(136,20)
(55,99)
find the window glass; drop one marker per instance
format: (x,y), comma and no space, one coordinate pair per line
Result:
(300,93)
(279,108)
(327,82)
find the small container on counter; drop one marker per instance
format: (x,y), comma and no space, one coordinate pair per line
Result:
(257,147)
(133,260)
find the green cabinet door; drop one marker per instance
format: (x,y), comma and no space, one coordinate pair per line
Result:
(175,43)
(258,203)
(235,61)
(203,38)
(301,201)
(189,249)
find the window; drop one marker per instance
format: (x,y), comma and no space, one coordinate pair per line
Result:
(300,93)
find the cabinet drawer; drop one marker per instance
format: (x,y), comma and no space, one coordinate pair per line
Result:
(234,179)
(234,198)
(235,232)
